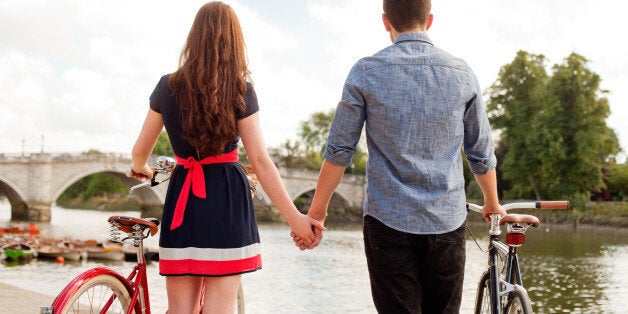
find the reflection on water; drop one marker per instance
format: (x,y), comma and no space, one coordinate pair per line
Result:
(574,272)
(563,271)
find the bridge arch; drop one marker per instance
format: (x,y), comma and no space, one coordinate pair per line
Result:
(15,196)
(142,195)
(337,196)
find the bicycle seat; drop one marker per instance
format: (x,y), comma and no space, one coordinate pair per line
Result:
(521,218)
(126,223)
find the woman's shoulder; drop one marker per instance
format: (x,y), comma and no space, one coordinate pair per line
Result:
(165,78)
(164,82)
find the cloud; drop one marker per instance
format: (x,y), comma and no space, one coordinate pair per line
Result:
(80,72)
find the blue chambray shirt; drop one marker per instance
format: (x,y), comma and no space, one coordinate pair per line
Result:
(419,105)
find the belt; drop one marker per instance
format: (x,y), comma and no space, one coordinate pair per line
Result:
(195,180)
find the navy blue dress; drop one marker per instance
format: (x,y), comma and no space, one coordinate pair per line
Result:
(219,234)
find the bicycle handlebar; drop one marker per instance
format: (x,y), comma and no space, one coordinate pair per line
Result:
(165,166)
(524,205)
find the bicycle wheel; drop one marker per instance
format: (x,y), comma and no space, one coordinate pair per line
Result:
(518,302)
(94,294)
(483,297)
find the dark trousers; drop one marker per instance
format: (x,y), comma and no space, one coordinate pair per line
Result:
(413,273)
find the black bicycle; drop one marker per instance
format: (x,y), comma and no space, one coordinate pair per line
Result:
(500,289)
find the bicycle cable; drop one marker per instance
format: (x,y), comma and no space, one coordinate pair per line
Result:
(475,240)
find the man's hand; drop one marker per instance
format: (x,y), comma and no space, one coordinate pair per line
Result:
(318,237)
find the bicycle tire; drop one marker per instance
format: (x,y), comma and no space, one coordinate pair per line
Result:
(93,293)
(483,297)
(518,302)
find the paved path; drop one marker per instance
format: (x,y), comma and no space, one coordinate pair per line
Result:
(16,301)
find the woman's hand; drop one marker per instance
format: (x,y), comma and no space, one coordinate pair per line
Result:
(143,173)
(307,230)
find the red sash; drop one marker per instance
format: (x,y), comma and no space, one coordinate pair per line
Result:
(195,180)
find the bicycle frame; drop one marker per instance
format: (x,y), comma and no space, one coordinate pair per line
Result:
(507,289)
(140,284)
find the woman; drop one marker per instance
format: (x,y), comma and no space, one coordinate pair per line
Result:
(209,233)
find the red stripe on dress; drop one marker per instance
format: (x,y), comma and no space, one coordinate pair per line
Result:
(197,267)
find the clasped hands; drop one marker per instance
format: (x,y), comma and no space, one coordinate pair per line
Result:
(311,242)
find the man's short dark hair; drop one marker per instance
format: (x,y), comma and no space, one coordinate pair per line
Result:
(407,14)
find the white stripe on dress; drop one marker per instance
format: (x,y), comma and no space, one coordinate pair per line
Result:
(209,254)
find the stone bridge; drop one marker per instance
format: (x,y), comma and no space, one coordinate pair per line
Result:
(33,183)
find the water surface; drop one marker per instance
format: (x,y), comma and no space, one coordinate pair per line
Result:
(564,271)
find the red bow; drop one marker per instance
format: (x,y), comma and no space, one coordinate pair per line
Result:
(195,180)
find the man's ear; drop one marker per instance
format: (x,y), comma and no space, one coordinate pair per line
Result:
(430,19)
(387,25)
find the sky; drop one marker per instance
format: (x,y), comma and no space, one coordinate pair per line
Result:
(76,75)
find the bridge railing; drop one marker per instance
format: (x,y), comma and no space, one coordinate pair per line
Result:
(19,157)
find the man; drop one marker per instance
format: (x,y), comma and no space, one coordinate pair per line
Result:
(419,105)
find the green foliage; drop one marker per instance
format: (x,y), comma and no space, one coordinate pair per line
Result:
(103,185)
(75,189)
(92,151)
(517,107)
(586,141)
(242,157)
(163,147)
(306,152)
(617,181)
(314,131)
(554,137)
(96,185)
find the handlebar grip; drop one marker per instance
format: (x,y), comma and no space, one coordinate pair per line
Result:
(553,205)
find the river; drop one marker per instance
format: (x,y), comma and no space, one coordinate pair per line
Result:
(564,271)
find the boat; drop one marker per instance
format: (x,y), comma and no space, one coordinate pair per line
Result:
(17,251)
(106,254)
(32,230)
(56,253)
(102,251)
(56,248)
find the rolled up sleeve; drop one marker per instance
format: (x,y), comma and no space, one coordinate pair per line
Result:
(346,127)
(478,142)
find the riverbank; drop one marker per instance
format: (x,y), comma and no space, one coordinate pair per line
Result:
(599,216)
(16,300)
(124,203)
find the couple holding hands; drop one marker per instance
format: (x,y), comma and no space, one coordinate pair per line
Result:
(419,106)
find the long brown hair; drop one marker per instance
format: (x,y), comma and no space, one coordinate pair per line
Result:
(210,83)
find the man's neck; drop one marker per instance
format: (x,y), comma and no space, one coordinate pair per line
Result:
(394,34)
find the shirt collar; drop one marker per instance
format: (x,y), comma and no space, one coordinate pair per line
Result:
(414,37)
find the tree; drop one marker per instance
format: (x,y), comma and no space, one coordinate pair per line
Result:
(553,129)
(586,142)
(306,151)
(163,147)
(616,180)
(315,130)
(517,104)
(101,184)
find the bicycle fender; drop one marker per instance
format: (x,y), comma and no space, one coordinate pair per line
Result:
(76,283)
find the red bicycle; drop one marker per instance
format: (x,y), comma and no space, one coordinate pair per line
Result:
(102,290)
